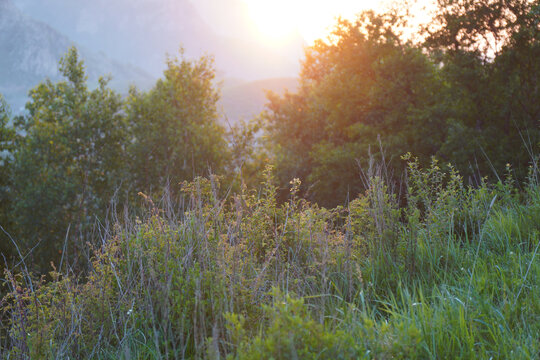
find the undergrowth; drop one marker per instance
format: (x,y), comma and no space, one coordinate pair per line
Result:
(454,273)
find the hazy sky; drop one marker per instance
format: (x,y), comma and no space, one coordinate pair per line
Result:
(250,39)
(230,17)
(278,19)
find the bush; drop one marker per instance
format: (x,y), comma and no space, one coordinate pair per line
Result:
(290,333)
(373,280)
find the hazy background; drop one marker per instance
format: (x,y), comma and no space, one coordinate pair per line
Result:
(129,39)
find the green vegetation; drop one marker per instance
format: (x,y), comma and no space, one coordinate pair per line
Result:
(7,138)
(68,164)
(80,152)
(473,80)
(139,228)
(174,129)
(455,274)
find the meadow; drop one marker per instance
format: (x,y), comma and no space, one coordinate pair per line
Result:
(453,274)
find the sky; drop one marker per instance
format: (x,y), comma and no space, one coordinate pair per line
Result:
(310,18)
(250,39)
(276,20)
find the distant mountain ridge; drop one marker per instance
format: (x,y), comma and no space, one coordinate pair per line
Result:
(143,31)
(30,51)
(244,100)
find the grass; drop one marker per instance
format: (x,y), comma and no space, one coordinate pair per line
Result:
(455,273)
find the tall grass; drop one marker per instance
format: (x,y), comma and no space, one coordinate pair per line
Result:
(453,273)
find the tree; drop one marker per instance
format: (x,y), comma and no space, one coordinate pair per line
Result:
(489,52)
(7,141)
(71,160)
(362,85)
(468,95)
(174,131)
(480,26)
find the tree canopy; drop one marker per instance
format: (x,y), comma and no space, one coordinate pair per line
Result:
(173,128)
(71,159)
(367,90)
(83,151)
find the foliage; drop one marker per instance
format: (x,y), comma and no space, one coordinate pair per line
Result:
(82,149)
(173,128)
(244,277)
(71,159)
(362,86)
(249,157)
(7,145)
(489,50)
(475,77)
(291,334)
(346,260)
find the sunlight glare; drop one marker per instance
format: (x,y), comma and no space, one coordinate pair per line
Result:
(312,19)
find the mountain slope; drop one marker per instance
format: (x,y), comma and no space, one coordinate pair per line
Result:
(246,100)
(30,51)
(143,31)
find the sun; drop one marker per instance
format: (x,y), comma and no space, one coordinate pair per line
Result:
(276,20)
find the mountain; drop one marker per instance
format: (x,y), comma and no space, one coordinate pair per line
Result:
(244,100)
(35,34)
(143,31)
(30,51)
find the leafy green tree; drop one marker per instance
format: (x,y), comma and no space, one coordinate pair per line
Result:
(7,142)
(480,26)
(489,52)
(71,160)
(362,86)
(469,95)
(174,129)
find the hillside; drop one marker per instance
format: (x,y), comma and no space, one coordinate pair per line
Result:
(254,280)
(243,100)
(142,32)
(31,50)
